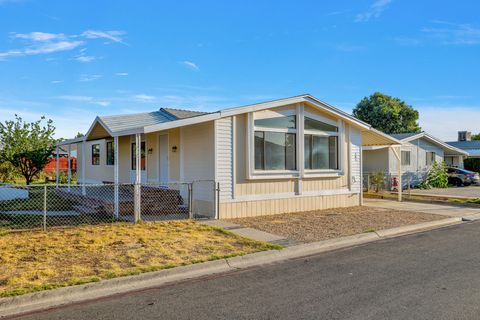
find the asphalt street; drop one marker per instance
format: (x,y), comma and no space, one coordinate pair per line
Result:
(431,275)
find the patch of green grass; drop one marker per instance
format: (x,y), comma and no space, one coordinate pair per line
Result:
(475,201)
(34,260)
(370,230)
(35,201)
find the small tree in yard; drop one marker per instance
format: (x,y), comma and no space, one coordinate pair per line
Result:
(27,146)
(437,177)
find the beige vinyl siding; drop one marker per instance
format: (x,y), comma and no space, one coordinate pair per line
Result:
(198,152)
(286,205)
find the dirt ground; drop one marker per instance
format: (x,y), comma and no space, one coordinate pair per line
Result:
(332,223)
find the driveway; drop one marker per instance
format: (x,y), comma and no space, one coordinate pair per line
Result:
(460,192)
(440,209)
(432,275)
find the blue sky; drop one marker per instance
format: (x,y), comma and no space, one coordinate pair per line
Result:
(74,60)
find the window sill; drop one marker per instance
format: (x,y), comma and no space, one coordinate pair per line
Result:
(323,173)
(274,174)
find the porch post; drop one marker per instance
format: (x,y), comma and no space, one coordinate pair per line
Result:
(138,176)
(57,171)
(398,155)
(115,176)
(69,166)
(84,167)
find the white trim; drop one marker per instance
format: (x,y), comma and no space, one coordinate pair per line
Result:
(288,195)
(234,155)
(180,149)
(215,156)
(300,146)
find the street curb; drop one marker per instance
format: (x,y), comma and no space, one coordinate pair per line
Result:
(67,295)
(418,227)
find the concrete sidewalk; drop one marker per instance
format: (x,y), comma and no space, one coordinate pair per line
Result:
(251,233)
(440,209)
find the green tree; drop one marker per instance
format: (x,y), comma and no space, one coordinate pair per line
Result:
(387,114)
(476,136)
(27,146)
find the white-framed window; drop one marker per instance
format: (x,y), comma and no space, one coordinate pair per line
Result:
(289,142)
(321,151)
(430,158)
(275,136)
(96,154)
(406,158)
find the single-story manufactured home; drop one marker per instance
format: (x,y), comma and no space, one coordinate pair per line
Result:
(419,151)
(286,155)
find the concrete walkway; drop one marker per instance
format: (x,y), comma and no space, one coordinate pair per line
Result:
(440,209)
(251,233)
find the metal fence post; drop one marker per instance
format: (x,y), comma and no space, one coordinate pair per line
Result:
(136,203)
(45,208)
(190,200)
(217,199)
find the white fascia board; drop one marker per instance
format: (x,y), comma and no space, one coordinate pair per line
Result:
(70,141)
(182,122)
(261,106)
(128,132)
(372,148)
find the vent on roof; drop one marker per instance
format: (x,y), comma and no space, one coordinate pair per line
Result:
(464,136)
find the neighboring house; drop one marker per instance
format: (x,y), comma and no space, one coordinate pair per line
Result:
(419,151)
(287,155)
(466,143)
(63,160)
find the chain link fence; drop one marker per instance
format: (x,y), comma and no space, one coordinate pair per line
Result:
(47,206)
(382,182)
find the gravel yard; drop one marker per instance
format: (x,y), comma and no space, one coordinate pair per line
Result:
(332,223)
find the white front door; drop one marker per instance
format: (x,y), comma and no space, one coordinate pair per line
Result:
(163,158)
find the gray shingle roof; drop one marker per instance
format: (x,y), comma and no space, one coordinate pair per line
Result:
(136,120)
(401,136)
(475,144)
(132,121)
(182,114)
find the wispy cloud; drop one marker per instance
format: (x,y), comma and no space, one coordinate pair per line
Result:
(144,98)
(113,35)
(453,33)
(39,36)
(374,12)
(121,74)
(190,65)
(83,57)
(56,81)
(43,43)
(89,77)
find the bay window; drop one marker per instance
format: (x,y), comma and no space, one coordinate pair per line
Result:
(276,135)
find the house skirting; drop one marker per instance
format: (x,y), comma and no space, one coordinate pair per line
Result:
(252,208)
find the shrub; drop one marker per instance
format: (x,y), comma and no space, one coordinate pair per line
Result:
(437,177)
(377,179)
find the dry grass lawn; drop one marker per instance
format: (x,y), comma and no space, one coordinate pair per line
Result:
(332,223)
(36,260)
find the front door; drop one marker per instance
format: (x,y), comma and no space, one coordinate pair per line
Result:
(163,158)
